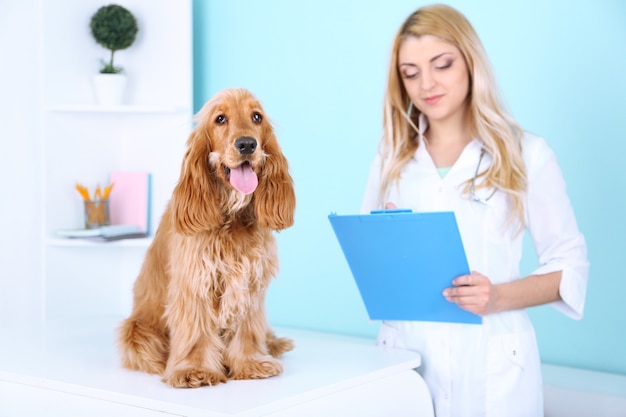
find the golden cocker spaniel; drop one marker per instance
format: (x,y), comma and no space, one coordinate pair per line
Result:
(198,315)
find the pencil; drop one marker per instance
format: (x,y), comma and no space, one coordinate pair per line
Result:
(107,190)
(83,191)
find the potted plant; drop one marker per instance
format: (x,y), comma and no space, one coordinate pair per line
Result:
(115,28)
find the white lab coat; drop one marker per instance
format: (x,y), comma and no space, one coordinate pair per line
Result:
(491,369)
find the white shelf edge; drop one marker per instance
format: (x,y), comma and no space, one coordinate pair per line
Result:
(143,242)
(95,108)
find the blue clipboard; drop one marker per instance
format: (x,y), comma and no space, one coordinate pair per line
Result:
(402,261)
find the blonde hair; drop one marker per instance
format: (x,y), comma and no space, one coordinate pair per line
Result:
(488,118)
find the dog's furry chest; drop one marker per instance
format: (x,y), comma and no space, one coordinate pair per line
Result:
(230,274)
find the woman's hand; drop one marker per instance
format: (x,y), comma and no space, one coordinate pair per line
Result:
(473,293)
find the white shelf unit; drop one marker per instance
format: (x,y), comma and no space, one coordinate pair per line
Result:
(84,142)
(88,243)
(97,108)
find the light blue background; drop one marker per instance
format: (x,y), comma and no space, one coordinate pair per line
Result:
(320,70)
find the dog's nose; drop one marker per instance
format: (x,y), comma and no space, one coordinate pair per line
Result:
(245,145)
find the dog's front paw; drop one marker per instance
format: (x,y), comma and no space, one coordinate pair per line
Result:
(263,367)
(193,378)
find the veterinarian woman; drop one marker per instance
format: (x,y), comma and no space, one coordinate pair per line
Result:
(449,144)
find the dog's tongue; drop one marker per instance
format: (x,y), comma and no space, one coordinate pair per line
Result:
(244,179)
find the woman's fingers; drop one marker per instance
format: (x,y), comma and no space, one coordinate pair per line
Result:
(471,292)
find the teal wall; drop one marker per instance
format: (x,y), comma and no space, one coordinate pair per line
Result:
(319,68)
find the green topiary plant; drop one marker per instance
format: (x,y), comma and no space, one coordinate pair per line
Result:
(115,28)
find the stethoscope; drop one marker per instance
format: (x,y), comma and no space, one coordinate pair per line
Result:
(473,195)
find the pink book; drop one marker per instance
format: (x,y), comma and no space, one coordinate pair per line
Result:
(129,200)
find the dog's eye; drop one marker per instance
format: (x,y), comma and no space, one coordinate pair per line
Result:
(256,117)
(221,119)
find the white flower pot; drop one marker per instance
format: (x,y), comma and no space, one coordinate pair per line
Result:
(109,88)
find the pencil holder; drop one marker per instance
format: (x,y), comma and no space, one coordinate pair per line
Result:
(97,213)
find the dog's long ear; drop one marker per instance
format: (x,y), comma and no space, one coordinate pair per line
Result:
(274,198)
(194,199)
